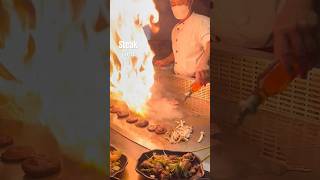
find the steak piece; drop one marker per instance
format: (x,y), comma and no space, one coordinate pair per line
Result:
(17,153)
(132,120)
(152,128)
(160,130)
(142,123)
(40,166)
(123,114)
(5,141)
(114,109)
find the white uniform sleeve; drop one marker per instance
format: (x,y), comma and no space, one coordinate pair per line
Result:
(204,32)
(172,49)
(204,39)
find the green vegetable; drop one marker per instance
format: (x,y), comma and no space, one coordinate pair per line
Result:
(172,167)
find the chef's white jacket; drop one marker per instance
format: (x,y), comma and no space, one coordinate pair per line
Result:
(189,40)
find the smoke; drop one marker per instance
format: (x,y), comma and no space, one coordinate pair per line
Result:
(163,105)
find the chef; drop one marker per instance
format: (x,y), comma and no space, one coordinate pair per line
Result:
(190,42)
(289,26)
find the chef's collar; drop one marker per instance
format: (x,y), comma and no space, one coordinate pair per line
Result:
(183,21)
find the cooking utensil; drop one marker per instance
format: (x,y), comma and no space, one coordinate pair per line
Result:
(196,86)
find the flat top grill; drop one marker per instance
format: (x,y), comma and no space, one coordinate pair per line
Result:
(153,141)
(141,140)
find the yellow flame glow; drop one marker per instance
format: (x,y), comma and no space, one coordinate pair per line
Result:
(131,70)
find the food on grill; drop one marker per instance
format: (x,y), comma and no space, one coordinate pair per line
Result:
(142,123)
(182,133)
(123,114)
(114,109)
(201,137)
(115,164)
(132,120)
(160,130)
(152,128)
(17,153)
(40,166)
(157,129)
(167,167)
(5,141)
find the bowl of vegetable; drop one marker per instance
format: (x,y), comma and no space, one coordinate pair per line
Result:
(167,165)
(118,163)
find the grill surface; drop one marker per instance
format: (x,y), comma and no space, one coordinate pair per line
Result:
(196,113)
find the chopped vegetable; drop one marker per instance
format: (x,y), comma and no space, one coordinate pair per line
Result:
(201,137)
(115,161)
(164,167)
(181,133)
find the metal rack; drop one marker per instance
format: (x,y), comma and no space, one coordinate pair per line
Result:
(287,126)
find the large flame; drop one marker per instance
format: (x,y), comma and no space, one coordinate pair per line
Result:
(55,97)
(131,70)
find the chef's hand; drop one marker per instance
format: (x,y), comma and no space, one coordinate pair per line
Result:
(202,77)
(165,61)
(295,35)
(160,62)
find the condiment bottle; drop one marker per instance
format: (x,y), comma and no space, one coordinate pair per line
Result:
(196,86)
(272,82)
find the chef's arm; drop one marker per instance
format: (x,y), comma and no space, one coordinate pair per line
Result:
(202,71)
(170,58)
(165,61)
(203,63)
(295,35)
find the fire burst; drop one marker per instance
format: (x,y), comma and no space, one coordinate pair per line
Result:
(131,68)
